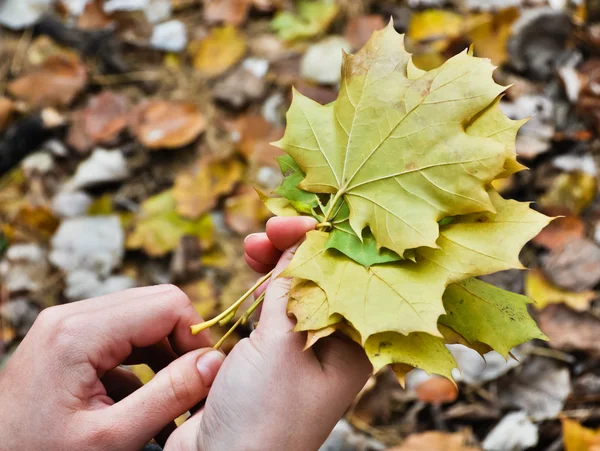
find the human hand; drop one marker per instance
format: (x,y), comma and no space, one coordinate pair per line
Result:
(270,394)
(63,390)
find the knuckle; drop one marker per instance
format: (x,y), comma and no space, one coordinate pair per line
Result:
(50,317)
(181,388)
(175,296)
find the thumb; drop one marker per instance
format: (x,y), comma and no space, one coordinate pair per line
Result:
(172,392)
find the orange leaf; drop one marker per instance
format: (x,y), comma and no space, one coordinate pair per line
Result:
(579,438)
(162,124)
(56,82)
(219,51)
(198,191)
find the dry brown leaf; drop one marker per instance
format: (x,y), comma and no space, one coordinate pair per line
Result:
(6,112)
(219,51)
(545,293)
(244,212)
(256,137)
(437,441)
(160,124)
(232,12)
(559,231)
(101,122)
(198,191)
(94,17)
(569,330)
(359,30)
(436,390)
(56,82)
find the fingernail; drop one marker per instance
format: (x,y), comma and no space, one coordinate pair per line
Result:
(208,366)
(250,236)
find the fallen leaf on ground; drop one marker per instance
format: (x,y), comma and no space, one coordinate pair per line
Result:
(93,16)
(574,266)
(100,122)
(244,212)
(577,437)
(233,12)
(434,28)
(559,231)
(6,111)
(256,135)
(569,330)
(570,193)
(203,296)
(359,29)
(438,441)
(158,228)
(436,390)
(489,32)
(219,51)
(56,82)
(544,293)
(197,191)
(162,124)
(310,19)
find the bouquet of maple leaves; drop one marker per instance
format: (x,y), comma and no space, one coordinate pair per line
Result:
(398,171)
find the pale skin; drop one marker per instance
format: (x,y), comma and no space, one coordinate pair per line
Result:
(63,388)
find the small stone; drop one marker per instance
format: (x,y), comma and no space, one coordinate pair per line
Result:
(39,163)
(322,62)
(95,243)
(257,66)
(515,432)
(24,268)
(575,266)
(169,36)
(104,166)
(75,7)
(20,314)
(83,284)
(18,14)
(70,204)
(239,88)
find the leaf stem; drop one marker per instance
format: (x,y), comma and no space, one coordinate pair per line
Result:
(242,320)
(197,328)
(325,223)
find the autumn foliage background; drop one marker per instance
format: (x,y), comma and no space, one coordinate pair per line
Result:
(134,133)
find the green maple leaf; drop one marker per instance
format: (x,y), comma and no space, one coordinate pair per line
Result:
(406,296)
(402,152)
(303,201)
(483,313)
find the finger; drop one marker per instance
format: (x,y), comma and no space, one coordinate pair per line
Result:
(284,232)
(258,247)
(171,393)
(257,266)
(120,383)
(274,309)
(346,365)
(186,438)
(141,321)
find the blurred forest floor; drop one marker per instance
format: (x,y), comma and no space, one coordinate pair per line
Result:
(133,133)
